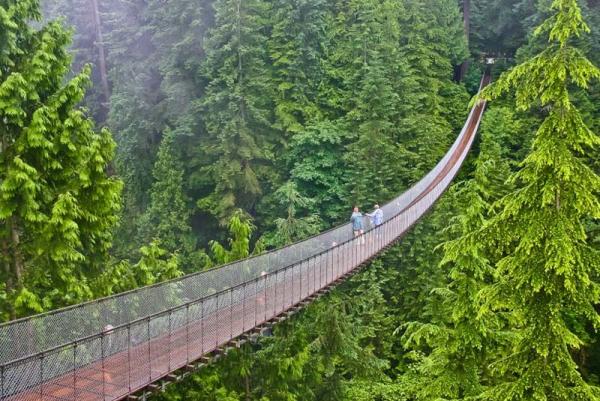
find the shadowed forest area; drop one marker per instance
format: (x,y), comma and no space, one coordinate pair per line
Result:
(143,140)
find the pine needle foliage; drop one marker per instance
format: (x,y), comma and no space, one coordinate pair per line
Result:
(168,216)
(57,205)
(155,265)
(375,158)
(297,45)
(240,228)
(459,341)
(547,270)
(237,107)
(293,227)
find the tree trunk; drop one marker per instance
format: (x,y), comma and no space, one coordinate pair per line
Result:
(467,17)
(8,248)
(240,61)
(16,242)
(99,42)
(10,285)
(13,262)
(248,394)
(464,67)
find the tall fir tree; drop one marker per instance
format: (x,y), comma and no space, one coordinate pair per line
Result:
(548,271)
(137,114)
(240,228)
(237,109)
(432,41)
(297,223)
(57,205)
(297,46)
(317,170)
(168,216)
(499,27)
(375,160)
(87,19)
(178,30)
(155,265)
(458,342)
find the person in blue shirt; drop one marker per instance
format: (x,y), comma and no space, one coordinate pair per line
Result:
(376,216)
(357,222)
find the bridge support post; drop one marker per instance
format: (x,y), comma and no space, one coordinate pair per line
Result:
(296,280)
(256,301)
(202,329)
(129,358)
(169,342)
(244,307)
(328,263)
(287,295)
(274,301)
(355,249)
(301,289)
(265,298)
(230,314)
(74,372)
(350,259)
(149,352)
(102,365)
(320,285)
(347,255)
(336,261)
(314,268)
(361,251)
(187,334)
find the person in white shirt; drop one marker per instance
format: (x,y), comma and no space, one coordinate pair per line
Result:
(376,216)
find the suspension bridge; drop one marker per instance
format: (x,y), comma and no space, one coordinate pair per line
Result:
(121,346)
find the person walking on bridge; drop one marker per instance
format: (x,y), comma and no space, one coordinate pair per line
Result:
(357,222)
(376,216)
(106,343)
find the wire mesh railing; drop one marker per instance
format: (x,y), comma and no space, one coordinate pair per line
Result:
(107,349)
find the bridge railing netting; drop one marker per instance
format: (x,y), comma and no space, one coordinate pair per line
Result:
(122,343)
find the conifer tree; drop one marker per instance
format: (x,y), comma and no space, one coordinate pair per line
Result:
(375,160)
(136,116)
(86,47)
(548,270)
(499,26)
(237,108)
(458,341)
(240,228)
(432,41)
(168,216)
(155,265)
(420,274)
(57,205)
(296,46)
(294,226)
(317,170)
(178,29)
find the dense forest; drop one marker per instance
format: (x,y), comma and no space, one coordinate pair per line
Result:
(146,139)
